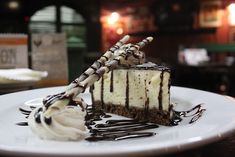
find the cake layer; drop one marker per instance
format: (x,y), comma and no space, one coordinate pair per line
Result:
(142,88)
(142,114)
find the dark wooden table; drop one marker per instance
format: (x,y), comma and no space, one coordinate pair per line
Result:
(223,148)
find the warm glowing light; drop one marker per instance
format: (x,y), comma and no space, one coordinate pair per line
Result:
(119,31)
(231,9)
(13,5)
(113,18)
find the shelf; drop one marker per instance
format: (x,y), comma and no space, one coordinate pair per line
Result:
(175,32)
(218,48)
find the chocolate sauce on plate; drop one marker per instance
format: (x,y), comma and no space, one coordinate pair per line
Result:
(119,129)
(196,112)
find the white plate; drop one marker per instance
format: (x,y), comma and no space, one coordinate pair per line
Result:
(217,122)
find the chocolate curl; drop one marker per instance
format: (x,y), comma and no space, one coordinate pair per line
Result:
(100,62)
(139,54)
(145,42)
(134,55)
(124,58)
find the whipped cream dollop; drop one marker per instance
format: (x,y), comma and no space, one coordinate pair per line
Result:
(67,124)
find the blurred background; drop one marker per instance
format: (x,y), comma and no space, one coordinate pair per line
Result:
(61,38)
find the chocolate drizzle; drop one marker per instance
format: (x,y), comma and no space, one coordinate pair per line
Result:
(90,90)
(102,92)
(37,115)
(116,129)
(113,130)
(196,112)
(24,111)
(111,82)
(50,99)
(22,123)
(160,91)
(120,136)
(120,129)
(146,105)
(147,66)
(127,91)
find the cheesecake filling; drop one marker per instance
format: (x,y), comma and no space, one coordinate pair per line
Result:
(134,88)
(141,92)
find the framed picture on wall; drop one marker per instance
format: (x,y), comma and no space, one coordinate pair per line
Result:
(232,35)
(210,14)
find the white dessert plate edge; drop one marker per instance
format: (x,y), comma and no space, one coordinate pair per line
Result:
(217,123)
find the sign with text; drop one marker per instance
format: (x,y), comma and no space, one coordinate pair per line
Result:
(49,53)
(13,51)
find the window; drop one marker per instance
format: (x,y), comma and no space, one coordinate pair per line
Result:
(48,20)
(69,15)
(47,14)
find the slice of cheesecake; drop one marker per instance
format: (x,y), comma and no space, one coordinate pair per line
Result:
(141,92)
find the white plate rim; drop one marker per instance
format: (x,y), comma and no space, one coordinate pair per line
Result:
(151,149)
